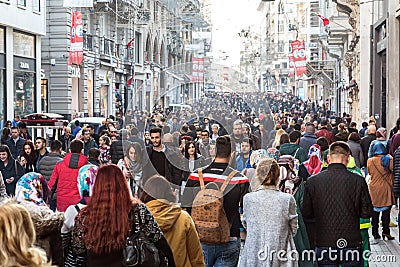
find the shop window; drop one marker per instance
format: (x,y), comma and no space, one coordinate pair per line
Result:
(24,88)
(24,45)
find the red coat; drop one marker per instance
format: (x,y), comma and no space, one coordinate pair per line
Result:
(66,171)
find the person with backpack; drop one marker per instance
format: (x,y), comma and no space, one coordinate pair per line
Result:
(219,224)
(269,215)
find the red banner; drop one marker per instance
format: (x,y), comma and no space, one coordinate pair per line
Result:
(76,50)
(291,65)
(299,55)
(197,69)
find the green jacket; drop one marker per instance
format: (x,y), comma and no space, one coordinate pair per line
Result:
(293,150)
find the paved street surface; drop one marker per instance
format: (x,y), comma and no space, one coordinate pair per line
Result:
(387,248)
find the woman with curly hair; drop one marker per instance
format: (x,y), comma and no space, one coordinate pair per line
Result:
(28,157)
(17,238)
(113,212)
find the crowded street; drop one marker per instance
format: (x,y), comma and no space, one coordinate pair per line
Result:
(199,133)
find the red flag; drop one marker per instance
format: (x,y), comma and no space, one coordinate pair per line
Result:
(129,44)
(325,21)
(130,81)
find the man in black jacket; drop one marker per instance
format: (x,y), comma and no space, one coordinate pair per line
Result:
(159,159)
(15,142)
(337,199)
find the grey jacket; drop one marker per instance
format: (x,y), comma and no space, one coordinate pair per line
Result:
(356,152)
(307,141)
(271,221)
(47,164)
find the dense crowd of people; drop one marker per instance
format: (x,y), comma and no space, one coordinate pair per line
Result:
(232,177)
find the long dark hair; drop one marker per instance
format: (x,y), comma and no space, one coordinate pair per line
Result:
(187,156)
(6,134)
(30,159)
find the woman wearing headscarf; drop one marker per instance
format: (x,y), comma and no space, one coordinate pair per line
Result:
(380,138)
(32,192)
(380,168)
(268,215)
(313,165)
(86,178)
(132,165)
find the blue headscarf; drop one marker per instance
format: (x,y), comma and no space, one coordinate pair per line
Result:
(378,149)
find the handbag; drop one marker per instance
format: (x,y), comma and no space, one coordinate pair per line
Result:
(139,251)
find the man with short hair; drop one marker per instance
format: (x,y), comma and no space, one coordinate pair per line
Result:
(237,136)
(159,159)
(135,138)
(225,254)
(339,223)
(23,131)
(117,147)
(66,139)
(15,142)
(214,131)
(47,163)
(203,147)
(243,158)
(309,138)
(293,148)
(247,132)
(63,178)
(88,141)
(95,136)
(41,151)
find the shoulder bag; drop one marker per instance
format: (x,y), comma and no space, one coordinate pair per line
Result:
(139,251)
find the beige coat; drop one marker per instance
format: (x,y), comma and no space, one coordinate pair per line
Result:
(180,232)
(381,183)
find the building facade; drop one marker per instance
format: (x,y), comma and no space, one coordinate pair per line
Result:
(22,26)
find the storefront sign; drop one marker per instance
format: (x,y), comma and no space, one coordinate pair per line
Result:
(42,74)
(24,65)
(75,71)
(76,50)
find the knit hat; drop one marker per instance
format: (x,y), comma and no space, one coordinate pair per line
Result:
(381,134)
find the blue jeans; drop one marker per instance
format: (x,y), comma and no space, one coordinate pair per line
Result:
(222,255)
(345,257)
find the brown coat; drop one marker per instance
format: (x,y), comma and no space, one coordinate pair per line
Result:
(381,183)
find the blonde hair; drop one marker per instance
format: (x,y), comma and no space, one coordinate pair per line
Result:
(268,171)
(278,137)
(17,236)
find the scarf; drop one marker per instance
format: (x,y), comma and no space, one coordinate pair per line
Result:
(314,164)
(378,149)
(136,167)
(32,187)
(86,178)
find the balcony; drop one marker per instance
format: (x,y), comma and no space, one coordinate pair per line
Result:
(88,42)
(107,46)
